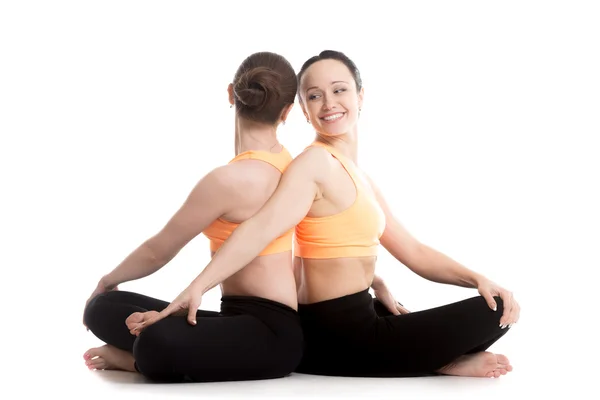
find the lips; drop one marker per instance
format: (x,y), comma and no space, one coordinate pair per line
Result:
(332,117)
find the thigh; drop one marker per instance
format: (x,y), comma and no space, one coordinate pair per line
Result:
(137,300)
(215,349)
(106,313)
(380,309)
(425,341)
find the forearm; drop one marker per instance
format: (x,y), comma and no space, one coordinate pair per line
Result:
(242,246)
(438,267)
(377,283)
(142,262)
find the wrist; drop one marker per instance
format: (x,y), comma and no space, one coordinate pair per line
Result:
(477,280)
(377,283)
(200,286)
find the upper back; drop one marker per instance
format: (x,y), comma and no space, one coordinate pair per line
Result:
(252,177)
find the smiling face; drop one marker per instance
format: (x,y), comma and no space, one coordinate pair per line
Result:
(329,97)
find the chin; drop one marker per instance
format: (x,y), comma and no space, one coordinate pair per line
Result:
(331,131)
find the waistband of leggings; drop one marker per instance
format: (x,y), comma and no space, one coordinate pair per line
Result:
(350,301)
(232,302)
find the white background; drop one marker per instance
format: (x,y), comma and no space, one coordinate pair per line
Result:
(480,124)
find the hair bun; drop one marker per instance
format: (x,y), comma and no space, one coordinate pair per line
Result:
(256,87)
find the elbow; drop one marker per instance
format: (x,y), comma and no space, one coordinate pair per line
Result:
(411,254)
(415,254)
(156,254)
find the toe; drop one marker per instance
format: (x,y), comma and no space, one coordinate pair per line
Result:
(502,359)
(91,353)
(98,363)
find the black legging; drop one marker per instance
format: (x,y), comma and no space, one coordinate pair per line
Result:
(356,336)
(250,338)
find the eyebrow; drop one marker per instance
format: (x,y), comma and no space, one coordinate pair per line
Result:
(334,82)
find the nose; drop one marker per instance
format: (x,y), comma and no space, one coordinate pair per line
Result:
(327,103)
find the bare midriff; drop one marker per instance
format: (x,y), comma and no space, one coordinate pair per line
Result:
(326,279)
(270,277)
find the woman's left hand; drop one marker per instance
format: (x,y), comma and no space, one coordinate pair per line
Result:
(512,310)
(187,302)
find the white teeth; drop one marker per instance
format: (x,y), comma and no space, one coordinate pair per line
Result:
(332,117)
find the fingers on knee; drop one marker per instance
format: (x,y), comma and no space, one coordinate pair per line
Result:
(499,303)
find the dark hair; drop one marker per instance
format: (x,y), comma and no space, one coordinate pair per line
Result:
(263,85)
(333,55)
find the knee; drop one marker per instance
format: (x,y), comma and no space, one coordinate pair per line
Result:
(485,313)
(99,306)
(499,304)
(94,309)
(154,354)
(152,337)
(481,302)
(151,347)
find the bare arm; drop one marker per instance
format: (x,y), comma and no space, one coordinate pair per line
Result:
(377,283)
(298,272)
(420,258)
(285,209)
(207,201)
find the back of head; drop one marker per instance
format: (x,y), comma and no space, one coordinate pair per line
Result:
(263,85)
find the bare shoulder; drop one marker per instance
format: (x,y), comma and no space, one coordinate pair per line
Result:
(218,184)
(314,162)
(219,179)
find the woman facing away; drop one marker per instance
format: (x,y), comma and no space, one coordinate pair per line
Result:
(257,333)
(340,218)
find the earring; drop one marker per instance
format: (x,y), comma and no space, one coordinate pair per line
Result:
(308,120)
(231,106)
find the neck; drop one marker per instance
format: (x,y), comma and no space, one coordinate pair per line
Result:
(250,135)
(347,143)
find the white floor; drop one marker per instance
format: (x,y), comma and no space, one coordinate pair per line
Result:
(52,364)
(482,136)
(71,376)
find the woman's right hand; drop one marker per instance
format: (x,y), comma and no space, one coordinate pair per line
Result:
(386,298)
(102,287)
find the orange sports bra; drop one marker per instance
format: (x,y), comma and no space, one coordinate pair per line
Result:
(354,232)
(220,229)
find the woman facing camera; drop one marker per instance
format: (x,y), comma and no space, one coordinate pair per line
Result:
(340,219)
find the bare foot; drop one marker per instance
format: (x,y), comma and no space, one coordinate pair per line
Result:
(109,357)
(482,364)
